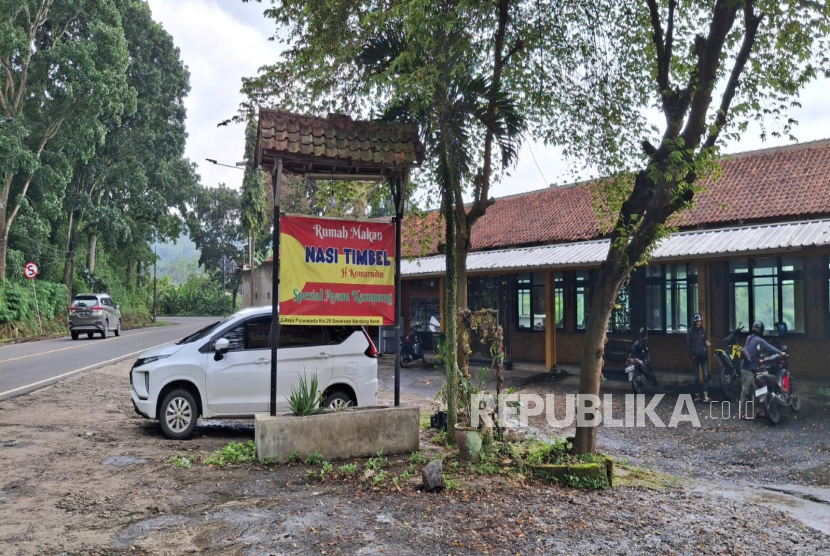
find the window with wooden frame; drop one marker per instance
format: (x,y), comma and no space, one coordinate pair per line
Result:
(769,290)
(671,297)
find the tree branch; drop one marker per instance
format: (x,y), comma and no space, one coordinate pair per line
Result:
(659,46)
(703,82)
(752,22)
(482,185)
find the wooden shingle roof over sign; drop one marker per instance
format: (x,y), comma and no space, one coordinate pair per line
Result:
(336,145)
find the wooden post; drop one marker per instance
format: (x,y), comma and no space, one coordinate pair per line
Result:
(550,320)
(703,308)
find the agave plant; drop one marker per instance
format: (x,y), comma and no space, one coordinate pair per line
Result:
(306,400)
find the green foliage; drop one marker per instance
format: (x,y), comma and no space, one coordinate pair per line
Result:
(234,453)
(293,457)
(348,469)
(305,399)
(180,461)
(17,301)
(200,294)
(314,459)
(377,463)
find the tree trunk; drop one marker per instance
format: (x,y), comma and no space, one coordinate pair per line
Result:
(451,319)
(461,248)
(93,244)
(4,226)
(130,264)
(4,240)
(71,246)
(461,251)
(610,278)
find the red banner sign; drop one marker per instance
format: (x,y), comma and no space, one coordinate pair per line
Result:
(336,271)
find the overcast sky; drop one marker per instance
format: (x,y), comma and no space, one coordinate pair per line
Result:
(222,41)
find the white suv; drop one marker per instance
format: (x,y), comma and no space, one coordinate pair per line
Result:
(224,370)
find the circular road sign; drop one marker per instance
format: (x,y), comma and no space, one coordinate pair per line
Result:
(30,270)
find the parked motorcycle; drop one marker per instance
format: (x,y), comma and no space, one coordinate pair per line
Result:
(638,365)
(774,387)
(729,358)
(411,349)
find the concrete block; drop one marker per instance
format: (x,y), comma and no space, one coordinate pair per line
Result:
(357,433)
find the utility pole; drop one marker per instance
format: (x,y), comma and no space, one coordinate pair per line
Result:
(155,291)
(276,178)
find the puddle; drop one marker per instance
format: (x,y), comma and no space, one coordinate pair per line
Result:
(123,461)
(142,529)
(809,505)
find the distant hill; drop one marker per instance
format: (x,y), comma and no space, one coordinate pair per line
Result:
(178,259)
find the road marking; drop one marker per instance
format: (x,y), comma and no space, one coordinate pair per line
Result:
(83,345)
(76,371)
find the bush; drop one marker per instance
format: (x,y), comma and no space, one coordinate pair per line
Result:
(17,301)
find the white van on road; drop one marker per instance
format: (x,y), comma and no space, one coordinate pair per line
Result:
(224,370)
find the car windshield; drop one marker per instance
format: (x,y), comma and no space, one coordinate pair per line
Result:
(201,333)
(85,301)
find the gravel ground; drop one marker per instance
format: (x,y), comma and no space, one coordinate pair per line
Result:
(80,473)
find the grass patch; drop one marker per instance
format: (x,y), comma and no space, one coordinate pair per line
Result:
(180,461)
(234,453)
(636,477)
(425,423)
(313,458)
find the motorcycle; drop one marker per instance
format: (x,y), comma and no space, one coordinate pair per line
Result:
(638,365)
(729,358)
(774,387)
(411,349)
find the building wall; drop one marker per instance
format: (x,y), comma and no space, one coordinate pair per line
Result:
(257,286)
(808,351)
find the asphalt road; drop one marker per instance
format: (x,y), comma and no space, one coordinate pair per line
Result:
(31,365)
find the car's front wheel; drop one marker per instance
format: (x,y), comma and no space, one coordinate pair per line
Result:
(338,400)
(178,414)
(118,328)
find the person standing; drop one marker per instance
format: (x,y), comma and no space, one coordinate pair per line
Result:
(698,345)
(750,357)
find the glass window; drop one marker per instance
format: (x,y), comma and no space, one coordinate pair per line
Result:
(236,338)
(559,299)
(770,290)
(671,296)
(583,298)
(530,301)
(300,336)
(259,333)
(619,319)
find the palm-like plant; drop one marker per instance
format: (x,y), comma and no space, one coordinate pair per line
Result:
(459,116)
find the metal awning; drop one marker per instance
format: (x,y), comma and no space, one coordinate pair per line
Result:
(759,239)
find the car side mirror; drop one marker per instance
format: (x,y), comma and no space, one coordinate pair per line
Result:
(118,307)
(220,348)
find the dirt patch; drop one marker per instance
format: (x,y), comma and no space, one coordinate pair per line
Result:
(80,473)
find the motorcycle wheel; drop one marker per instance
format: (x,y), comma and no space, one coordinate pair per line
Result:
(773,410)
(638,382)
(405,360)
(795,399)
(728,382)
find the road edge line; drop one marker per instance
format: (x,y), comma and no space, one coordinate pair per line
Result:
(47,381)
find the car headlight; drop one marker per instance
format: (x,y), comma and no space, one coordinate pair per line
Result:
(147,360)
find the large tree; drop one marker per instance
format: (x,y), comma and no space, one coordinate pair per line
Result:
(439,65)
(127,190)
(62,75)
(710,68)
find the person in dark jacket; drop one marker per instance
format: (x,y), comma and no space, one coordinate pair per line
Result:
(750,358)
(698,346)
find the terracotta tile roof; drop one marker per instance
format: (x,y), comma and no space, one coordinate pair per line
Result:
(339,138)
(783,183)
